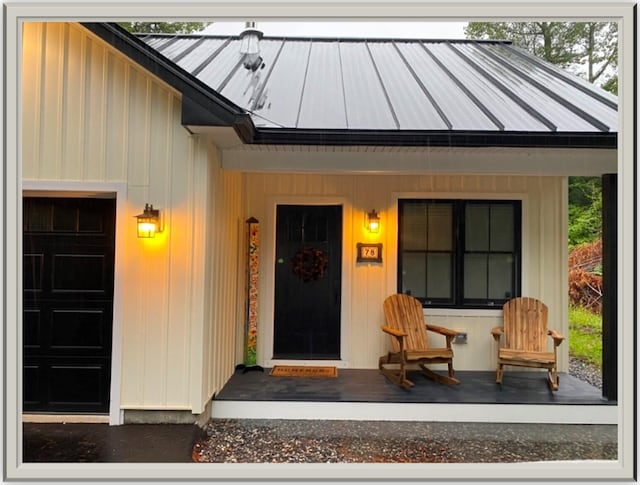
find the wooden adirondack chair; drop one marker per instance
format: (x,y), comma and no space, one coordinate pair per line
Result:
(410,343)
(525,339)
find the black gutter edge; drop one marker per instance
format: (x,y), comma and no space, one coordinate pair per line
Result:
(411,138)
(201,105)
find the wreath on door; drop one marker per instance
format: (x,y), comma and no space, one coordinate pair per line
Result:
(310,264)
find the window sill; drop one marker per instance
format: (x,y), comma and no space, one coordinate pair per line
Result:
(462,312)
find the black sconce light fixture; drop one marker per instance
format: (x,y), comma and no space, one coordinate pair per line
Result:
(372,221)
(149,222)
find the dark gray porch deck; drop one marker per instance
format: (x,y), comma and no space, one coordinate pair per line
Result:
(368,385)
(255,394)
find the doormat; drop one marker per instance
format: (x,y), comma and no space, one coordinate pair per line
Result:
(303,371)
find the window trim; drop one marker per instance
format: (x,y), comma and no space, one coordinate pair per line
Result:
(458,226)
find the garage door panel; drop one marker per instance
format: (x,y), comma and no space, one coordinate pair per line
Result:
(33,265)
(79,273)
(79,385)
(32,334)
(65,385)
(68,327)
(31,385)
(69,251)
(79,330)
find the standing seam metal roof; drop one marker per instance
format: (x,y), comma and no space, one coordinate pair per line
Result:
(379,84)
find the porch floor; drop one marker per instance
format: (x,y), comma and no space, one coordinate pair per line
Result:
(370,395)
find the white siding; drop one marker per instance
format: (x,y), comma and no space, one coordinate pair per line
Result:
(91,115)
(224,295)
(543,238)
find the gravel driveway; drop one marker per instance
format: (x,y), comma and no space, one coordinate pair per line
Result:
(305,441)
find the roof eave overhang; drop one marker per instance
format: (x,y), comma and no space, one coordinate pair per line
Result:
(425,138)
(201,105)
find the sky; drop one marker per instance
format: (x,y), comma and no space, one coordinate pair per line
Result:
(404,30)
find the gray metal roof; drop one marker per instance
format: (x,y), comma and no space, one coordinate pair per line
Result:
(359,84)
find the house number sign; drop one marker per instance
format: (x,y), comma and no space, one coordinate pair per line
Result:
(369,253)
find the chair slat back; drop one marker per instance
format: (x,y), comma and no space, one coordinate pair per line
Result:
(525,324)
(404,313)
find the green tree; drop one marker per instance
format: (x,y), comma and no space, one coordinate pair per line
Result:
(585,210)
(163,27)
(589,49)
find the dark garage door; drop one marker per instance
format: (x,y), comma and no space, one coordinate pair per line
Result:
(68,246)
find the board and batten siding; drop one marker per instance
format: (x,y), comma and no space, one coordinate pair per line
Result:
(544,254)
(91,115)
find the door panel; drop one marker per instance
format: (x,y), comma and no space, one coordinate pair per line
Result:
(307,282)
(69,251)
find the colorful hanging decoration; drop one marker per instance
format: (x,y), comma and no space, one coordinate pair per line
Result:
(251,330)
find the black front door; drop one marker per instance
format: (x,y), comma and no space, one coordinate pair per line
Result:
(307,282)
(68,247)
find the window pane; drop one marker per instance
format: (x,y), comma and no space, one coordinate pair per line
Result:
(438,275)
(414,274)
(439,268)
(475,276)
(502,227)
(414,225)
(476,227)
(440,227)
(500,276)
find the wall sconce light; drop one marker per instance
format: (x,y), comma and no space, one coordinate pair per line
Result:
(373,221)
(149,222)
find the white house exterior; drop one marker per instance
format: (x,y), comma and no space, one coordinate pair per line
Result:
(96,123)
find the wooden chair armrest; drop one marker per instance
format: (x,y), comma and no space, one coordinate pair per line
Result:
(557,338)
(497,332)
(447,332)
(393,331)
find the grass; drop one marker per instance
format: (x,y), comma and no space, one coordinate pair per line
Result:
(585,335)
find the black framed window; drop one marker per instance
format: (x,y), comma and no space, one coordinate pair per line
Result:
(459,253)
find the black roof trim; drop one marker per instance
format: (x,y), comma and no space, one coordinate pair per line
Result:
(410,138)
(222,111)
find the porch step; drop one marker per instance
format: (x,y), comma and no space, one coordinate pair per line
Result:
(423,412)
(364,394)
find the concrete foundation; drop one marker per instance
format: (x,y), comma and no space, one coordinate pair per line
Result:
(145,416)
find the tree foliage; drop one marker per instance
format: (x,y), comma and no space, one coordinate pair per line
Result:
(585,210)
(163,27)
(589,49)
